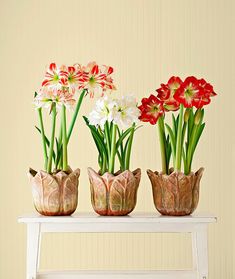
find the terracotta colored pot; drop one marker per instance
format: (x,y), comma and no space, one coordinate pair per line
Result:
(175,194)
(114,195)
(55,194)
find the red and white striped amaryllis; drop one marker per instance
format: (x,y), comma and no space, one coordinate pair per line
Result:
(59,77)
(73,76)
(55,76)
(96,79)
(47,96)
(67,80)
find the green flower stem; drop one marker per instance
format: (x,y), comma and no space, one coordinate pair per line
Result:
(43,138)
(162,139)
(128,152)
(177,166)
(64,139)
(59,155)
(190,149)
(107,137)
(75,114)
(49,164)
(113,149)
(60,165)
(103,170)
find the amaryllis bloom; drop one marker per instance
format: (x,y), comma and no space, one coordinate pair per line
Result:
(188,92)
(122,112)
(166,94)
(206,87)
(205,92)
(55,76)
(126,112)
(107,70)
(102,112)
(96,79)
(73,75)
(194,92)
(47,96)
(151,109)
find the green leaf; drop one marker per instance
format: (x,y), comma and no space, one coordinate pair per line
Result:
(121,144)
(107,133)
(184,159)
(197,137)
(47,143)
(175,126)
(125,148)
(122,137)
(172,138)
(168,150)
(99,140)
(121,161)
(183,134)
(190,125)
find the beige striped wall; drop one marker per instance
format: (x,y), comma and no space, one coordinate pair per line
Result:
(146,41)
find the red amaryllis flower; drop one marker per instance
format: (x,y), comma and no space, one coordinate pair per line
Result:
(151,109)
(188,92)
(166,93)
(206,87)
(55,76)
(96,79)
(205,92)
(194,92)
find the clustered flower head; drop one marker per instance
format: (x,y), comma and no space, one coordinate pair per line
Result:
(191,92)
(62,82)
(122,112)
(95,79)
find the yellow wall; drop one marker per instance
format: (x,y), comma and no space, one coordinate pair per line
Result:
(146,41)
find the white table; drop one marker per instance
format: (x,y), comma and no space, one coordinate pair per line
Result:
(196,225)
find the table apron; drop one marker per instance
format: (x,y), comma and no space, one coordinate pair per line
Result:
(122,227)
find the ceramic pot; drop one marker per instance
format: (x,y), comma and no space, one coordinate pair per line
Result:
(55,194)
(175,194)
(114,195)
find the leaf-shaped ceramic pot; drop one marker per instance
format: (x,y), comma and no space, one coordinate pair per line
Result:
(114,195)
(175,194)
(55,194)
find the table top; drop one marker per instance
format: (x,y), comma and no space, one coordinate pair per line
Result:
(151,217)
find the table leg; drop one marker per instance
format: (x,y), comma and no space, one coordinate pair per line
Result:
(33,241)
(200,252)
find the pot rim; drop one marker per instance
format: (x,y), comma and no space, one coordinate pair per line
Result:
(172,172)
(32,173)
(134,172)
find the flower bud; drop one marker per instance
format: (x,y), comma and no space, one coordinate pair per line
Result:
(198,117)
(186,115)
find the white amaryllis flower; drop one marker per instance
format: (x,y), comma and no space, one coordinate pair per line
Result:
(123,112)
(126,112)
(103,112)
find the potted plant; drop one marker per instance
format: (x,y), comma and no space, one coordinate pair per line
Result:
(112,124)
(55,188)
(176,192)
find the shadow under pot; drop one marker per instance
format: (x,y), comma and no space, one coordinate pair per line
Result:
(114,195)
(175,194)
(55,194)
